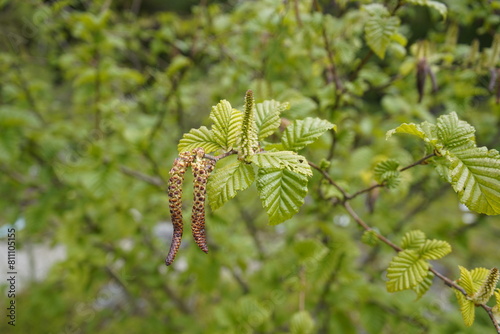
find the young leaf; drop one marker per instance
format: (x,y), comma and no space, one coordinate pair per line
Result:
(496,308)
(379,30)
(424,286)
(202,137)
(301,133)
(282,193)
(434,249)
(283,160)
(370,237)
(267,117)
(453,132)
(478,276)
(412,129)
(227,181)
(466,281)
(387,172)
(440,7)
(467,308)
(413,240)
(406,270)
(227,124)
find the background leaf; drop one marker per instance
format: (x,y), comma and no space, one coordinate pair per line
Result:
(379,30)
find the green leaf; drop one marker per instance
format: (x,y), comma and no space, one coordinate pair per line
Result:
(424,286)
(387,172)
(267,117)
(475,176)
(454,133)
(413,240)
(406,270)
(465,281)
(440,7)
(467,308)
(302,323)
(412,129)
(434,249)
(379,30)
(283,160)
(282,193)
(227,124)
(226,181)
(370,237)
(474,172)
(202,137)
(478,276)
(301,133)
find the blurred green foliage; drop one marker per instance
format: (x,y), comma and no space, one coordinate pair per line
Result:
(94,96)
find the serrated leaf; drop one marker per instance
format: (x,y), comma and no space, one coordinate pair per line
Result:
(267,117)
(282,193)
(406,270)
(478,276)
(226,124)
(413,240)
(282,160)
(475,177)
(453,132)
(412,129)
(434,249)
(301,133)
(379,30)
(467,308)
(440,7)
(466,281)
(424,286)
(474,172)
(202,137)
(226,181)
(387,172)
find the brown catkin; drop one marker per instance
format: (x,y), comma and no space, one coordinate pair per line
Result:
(201,171)
(175,201)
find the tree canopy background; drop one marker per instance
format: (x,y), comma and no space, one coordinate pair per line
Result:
(94,96)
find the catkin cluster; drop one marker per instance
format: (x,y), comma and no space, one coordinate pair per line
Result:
(201,169)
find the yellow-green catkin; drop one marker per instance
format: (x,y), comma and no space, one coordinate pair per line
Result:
(249,139)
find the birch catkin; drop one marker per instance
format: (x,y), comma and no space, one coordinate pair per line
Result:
(201,171)
(175,201)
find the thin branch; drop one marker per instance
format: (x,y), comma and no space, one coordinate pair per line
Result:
(366,190)
(155,181)
(418,162)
